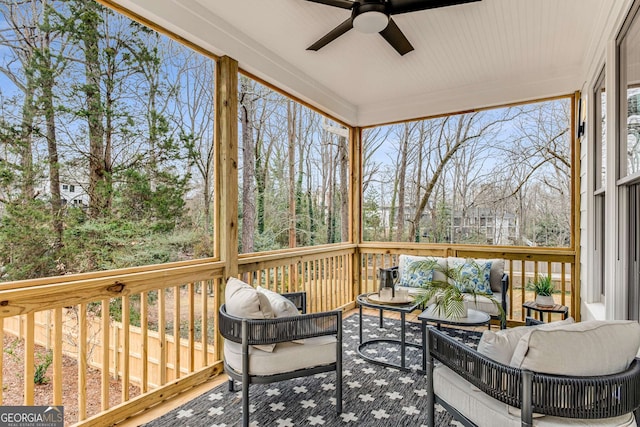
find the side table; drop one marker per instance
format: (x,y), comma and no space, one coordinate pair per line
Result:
(474,318)
(403,309)
(540,309)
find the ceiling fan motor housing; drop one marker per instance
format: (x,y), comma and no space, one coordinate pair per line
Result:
(369,17)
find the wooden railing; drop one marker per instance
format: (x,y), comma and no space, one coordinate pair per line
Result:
(522,265)
(137,349)
(161,345)
(324,272)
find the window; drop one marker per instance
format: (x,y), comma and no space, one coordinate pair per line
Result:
(600,176)
(499,176)
(72,188)
(629,157)
(65,187)
(629,55)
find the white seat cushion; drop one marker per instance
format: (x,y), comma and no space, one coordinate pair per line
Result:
(482,303)
(486,411)
(286,357)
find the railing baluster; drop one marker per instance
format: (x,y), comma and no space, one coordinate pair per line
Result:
(192,339)
(563,283)
(125,347)
(205,326)
(176,331)
(511,286)
(2,358)
(144,337)
(82,362)
(162,331)
(58,341)
(523,268)
(29,349)
(104,374)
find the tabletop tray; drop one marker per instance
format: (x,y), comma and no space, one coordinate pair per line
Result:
(375,298)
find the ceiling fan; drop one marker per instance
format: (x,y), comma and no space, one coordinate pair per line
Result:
(374,16)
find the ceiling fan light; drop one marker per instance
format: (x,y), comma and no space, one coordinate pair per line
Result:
(371,22)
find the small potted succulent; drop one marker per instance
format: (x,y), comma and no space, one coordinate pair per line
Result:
(544,288)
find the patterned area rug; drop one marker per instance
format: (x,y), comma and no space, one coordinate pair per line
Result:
(372,395)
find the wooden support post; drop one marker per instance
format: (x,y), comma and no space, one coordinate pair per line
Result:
(355,206)
(575,208)
(226,177)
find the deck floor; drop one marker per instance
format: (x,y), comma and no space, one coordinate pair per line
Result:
(187,396)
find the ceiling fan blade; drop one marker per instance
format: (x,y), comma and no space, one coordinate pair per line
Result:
(394,36)
(403,6)
(332,35)
(344,4)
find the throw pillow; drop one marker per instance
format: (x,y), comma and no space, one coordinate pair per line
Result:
(414,271)
(474,274)
(242,300)
(500,345)
(282,307)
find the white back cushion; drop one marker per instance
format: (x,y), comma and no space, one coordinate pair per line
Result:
(581,349)
(242,300)
(281,306)
(501,345)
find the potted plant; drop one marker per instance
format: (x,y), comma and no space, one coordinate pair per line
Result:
(544,288)
(448,294)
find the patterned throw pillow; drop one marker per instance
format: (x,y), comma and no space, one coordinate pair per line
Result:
(414,271)
(474,275)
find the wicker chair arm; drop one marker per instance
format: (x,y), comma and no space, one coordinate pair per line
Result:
(273,331)
(585,397)
(299,299)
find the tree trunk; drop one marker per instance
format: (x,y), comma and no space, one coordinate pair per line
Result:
(98,188)
(402,176)
(247,111)
(343,159)
(47,82)
(291,121)
(26,144)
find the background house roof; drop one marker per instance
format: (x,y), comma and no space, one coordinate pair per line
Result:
(466,56)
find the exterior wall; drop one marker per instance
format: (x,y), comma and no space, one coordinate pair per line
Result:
(614,304)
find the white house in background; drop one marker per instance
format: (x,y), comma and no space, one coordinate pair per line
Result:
(73,194)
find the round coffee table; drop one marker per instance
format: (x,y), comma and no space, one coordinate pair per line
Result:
(474,318)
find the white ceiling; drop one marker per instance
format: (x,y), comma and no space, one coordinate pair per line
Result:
(468,56)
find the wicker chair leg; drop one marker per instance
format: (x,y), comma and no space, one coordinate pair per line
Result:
(431,399)
(339,364)
(339,389)
(245,404)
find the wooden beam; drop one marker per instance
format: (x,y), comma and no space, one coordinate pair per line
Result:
(355,205)
(226,145)
(575,207)
(226,175)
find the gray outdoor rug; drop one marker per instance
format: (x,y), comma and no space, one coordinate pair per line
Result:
(372,395)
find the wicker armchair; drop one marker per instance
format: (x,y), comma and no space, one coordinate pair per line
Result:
(281,331)
(587,398)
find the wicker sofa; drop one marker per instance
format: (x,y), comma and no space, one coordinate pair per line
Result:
(571,374)
(268,340)
(498,282)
